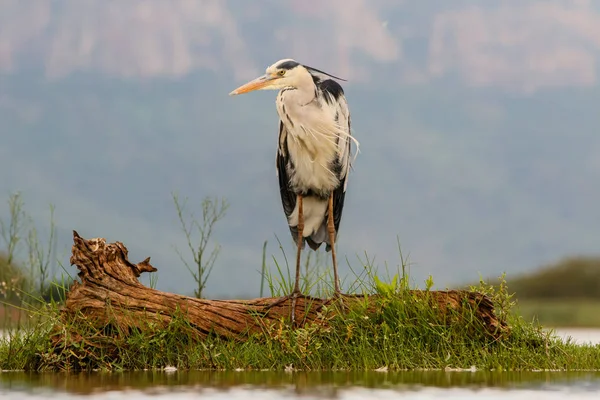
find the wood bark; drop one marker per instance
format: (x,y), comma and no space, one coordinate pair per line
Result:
(110,294)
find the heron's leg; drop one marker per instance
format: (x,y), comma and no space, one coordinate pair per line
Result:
(300,239)
(296,292)
(331,230)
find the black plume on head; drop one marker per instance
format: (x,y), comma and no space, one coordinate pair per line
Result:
(317,74)
(320,75)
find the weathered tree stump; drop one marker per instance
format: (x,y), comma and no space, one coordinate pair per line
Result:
(110,294)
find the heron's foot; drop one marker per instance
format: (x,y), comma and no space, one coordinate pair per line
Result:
(294,297)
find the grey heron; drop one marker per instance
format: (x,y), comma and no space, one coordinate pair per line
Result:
(313,155)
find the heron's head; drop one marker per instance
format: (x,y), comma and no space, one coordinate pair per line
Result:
(284,73)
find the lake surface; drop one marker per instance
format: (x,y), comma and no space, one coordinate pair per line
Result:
(161,385)
(302,385)
(580,335)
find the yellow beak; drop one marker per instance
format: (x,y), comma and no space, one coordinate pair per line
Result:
(259,83)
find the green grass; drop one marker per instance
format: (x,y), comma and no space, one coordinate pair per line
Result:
(398,331)
(561,312)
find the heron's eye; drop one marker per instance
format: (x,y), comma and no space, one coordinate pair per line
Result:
(282,72)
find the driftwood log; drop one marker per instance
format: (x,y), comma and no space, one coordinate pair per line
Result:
(110,294)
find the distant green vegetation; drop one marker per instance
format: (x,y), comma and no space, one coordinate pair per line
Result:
(561,312)
(566,293)
(570,278)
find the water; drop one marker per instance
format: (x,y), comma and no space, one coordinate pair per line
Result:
(580,335)
(180,385)
(301,385)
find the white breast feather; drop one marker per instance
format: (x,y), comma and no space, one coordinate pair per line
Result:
(313,143)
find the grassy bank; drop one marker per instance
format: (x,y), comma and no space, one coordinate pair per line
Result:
(401,332)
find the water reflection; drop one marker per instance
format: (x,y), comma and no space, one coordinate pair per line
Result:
(319,384)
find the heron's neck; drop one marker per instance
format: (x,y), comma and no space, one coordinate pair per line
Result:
(305,90)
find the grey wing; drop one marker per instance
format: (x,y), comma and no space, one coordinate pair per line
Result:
(288,197)
(339,193)
(335,96)
(342,168)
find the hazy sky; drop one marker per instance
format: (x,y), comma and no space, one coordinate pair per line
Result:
(477,125)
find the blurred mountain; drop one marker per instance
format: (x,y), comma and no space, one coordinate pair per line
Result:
(478,127)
